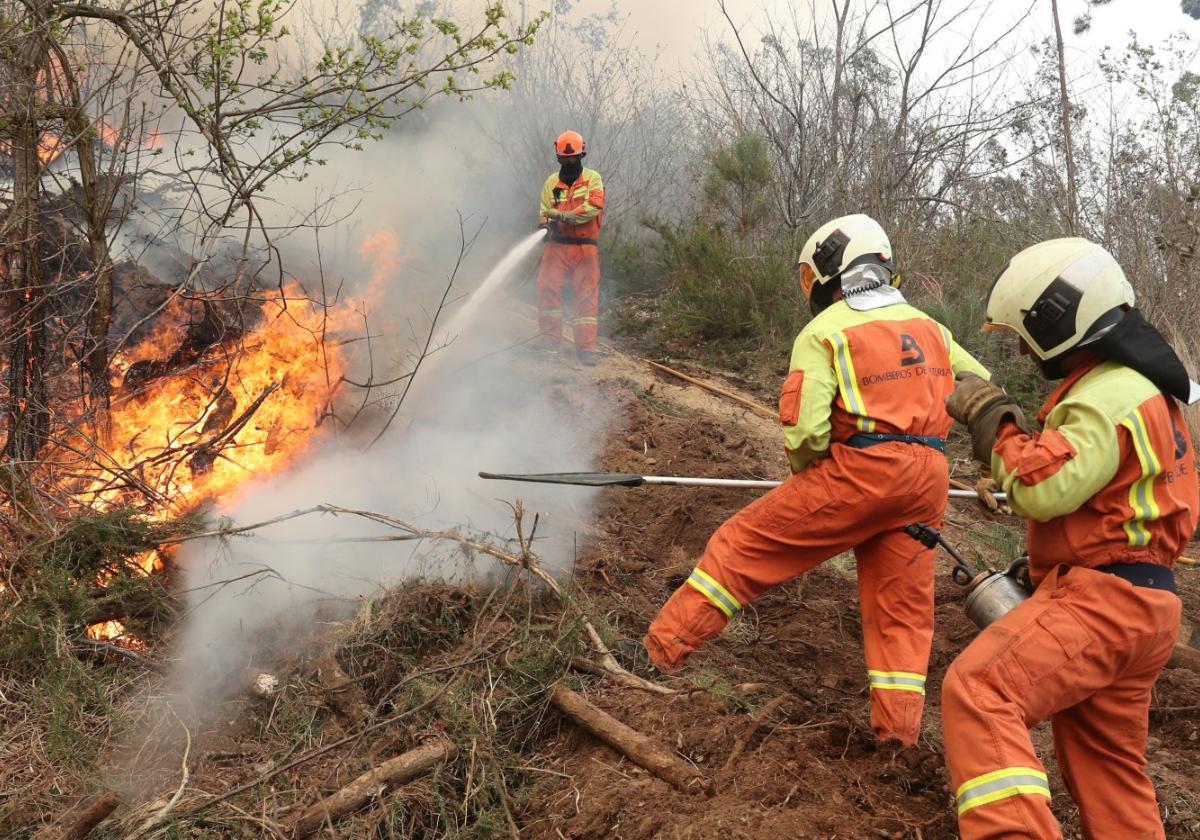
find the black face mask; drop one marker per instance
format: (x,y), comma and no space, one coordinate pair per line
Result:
(569,169)
(1136,343)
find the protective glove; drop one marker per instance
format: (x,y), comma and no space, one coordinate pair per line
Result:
(982,406)
(552,213)
(569,217)
(986,488)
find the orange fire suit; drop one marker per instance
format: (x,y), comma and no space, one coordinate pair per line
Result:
(1111,478)
(573,250)
(881,372)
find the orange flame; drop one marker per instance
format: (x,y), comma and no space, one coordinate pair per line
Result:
(198,432)
(188,434)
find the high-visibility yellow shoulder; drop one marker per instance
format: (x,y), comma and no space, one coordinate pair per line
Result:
(833,319)
(839,316)
(1112,389)
(592,176)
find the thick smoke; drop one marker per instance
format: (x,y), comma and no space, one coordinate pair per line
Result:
(482,401)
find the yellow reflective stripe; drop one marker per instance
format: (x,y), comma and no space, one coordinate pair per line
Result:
(1001,784)
(1141,492)
(708,586)
(948,339)
(587,320)
(897,681)
(848,382)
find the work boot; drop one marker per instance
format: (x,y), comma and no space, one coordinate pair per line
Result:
(631,655)
(588,358)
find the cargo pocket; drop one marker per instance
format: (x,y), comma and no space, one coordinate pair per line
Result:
(789,399)
(1048,643)
(1050,455)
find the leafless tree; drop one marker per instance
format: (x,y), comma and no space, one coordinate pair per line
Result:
(874,106)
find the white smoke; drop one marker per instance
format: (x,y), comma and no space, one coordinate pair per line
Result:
(482,401)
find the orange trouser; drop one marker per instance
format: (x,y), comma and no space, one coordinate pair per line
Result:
(855,499)
(1084,651)
(582,262)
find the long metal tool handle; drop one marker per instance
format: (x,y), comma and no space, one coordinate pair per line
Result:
(595,479)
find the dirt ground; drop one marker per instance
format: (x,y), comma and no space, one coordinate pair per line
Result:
(811,770)
(809,767)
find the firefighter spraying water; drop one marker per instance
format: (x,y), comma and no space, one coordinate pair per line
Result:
(571,211)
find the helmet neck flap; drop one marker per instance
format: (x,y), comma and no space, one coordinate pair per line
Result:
(1136,343)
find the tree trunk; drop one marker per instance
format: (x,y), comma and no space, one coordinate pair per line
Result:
(97,199)
(26,296)
(1065,117)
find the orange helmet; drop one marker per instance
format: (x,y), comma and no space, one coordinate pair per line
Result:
(569,144)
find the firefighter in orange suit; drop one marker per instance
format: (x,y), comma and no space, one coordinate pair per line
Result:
(1109,487)
(864,427)
(572,209)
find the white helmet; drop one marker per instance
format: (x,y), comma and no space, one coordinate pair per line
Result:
(836,246)
(1059,295)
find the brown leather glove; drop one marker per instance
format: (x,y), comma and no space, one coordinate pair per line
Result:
(986,488)
(982,406)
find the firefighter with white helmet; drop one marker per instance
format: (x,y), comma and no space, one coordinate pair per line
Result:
(864,428)
(852,251)
(1109,487)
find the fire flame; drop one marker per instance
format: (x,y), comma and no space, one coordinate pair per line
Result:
(188,435)
(192,423)
(241,409)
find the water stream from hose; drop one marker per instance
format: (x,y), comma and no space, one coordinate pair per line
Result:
(494,280)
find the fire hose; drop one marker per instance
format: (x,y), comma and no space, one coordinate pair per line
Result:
(597,479)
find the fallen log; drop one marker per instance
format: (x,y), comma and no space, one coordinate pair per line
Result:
(395,771)
(635,746)
(79,823)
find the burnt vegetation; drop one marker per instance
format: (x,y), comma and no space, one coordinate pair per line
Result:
(142,382)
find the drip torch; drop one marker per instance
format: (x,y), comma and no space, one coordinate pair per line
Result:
(990,594)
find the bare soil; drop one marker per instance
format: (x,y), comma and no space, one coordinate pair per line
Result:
(812,770)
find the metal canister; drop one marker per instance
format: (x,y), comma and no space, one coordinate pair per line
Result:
(995,593)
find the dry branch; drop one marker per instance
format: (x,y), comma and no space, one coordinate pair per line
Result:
(757,408)
(80,822)
(395,771)
(638,748)
(739,746)
(345,695)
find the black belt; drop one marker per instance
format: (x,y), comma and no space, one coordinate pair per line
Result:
(1148,575)
(867,439)
(573,240)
